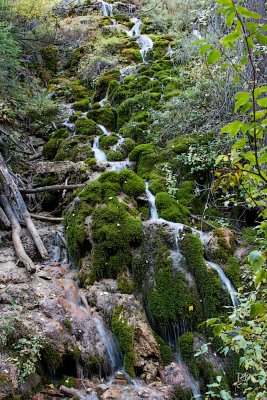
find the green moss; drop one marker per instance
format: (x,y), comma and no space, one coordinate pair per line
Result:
(125,284)
(91,161)
(68,324)
(131,184)
(226,245)
(146,157)
(85,126)
(125,337)
(186,346)
(186,196)
(107,141)
(75,229)
(51,147)
(170,209)
(74,117)
(233,271)
(74,149)
(169,298)
(61,133)
(105,114)
(50,57)
(81,105)
(132,55)
(179,393)
(180,144)
(115,155)
(103,83)
(166,353)
(207,280)
(51,357)
(156,182)
(68,381)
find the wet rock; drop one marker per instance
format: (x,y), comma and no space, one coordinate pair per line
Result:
(219,244)
(147,356)
(112,393)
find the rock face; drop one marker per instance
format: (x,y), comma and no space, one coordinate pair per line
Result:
(219,244)
(105,297)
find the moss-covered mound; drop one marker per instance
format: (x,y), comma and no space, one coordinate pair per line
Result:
(85,126)
(208,283)
(171,299)
(170,209)
(115,227)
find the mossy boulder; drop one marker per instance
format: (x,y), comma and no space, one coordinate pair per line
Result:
(170,299)
(187,196)
(146,157)
(108,141)
(81,105)
(180,144)
(207,280)
(233,271)
(51,147)
(170,209)
(50,57)
(85,126)
(105,116)
(166,353)
(75,148)
(103,82)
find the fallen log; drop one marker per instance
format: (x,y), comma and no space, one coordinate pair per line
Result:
(16,235)
(51,188)
(11,188)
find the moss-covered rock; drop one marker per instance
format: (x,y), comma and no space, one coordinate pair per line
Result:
(125,283)
(233,271)
(75,148)
(85,126)
(166,353)
(81,105)
(170,209)
(208,283)
(170,299)
(124,334)
(51,147)
(50,57)
(131,184)
(105,116)
(103,82)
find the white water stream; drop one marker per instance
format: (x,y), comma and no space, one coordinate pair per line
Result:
(152,203)
(107,8)
(100,155)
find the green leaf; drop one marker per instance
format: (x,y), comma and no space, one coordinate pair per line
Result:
(230,19)
(241,102)
(252,27)
(225,2)
(260,90)
(256,258)
(204,49)
(233,128)
(229,40)
(217,329)
(262,102)
(240,144)
(263,158)
(214,56)
(258,310)
(262,39)
(242,95)
(219,159)
(245,12)
(211,321)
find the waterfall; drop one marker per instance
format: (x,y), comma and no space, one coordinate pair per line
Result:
(103,102)
(176,254)
(170,52)
(190,380)
(107,8)
(104,130)
(136,29)
(152,203)
(110,345)
(145,43)
(225,282)
(100,155)
(118,166)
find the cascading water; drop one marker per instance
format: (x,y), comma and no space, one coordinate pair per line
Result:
(225,282)
(110,345)
(104,130)
(146,44)
(100,155)
(152,203)
(107,8)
